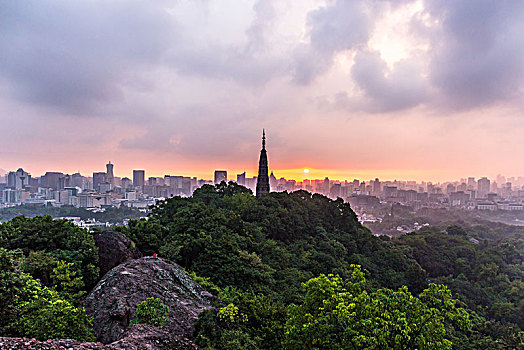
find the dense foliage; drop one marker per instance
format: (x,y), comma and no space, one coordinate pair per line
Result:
(270,245)
(31,310)
(339,313)
(45,242)
(258,253)
(151,311)
(483,268)
(47,267)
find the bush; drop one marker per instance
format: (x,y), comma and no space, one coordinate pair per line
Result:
(151,311)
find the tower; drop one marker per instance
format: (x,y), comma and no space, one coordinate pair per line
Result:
(263,178)
(109,173)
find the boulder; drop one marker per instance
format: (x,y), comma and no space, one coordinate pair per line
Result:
(113,249)
(115,298)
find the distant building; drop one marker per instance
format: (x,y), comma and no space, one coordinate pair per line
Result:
(273,181)
(472,184)
(335,190)
(483,187)
(220,175)
(390,191)
(325,186)
(54,180)
(241,179)
(139,178)
(99,179)
(78,180)
(18,179)
(109,173)
(376,187)
(487,205)
(126,183)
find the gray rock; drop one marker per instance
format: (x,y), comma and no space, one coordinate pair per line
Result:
(113,249)
(115,298)
(137,337)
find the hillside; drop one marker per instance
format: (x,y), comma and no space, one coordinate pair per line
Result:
(290,270)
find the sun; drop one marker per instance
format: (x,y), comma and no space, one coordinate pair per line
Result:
(306,171)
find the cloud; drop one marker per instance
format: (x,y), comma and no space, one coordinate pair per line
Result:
(77,57)
(73,55)
(477,57)
(384,89)
(339,26)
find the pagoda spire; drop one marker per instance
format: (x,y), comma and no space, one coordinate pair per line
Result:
(263,178)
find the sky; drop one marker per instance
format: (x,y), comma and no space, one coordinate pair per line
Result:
(412,90)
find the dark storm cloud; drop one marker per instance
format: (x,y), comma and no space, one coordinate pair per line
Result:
(478,58)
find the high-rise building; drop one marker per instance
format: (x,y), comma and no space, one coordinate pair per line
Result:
(272,181)
(241,179)
(54,180)
(109,173)
(472,184)
(376,187)
(263,177)
(139,178)
(483,187)
(126,183)
(220,175)
(77,180)
(325,186)
(98,179)
(18,179)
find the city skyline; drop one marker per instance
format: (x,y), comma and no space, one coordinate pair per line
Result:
(305,174)
(392,89)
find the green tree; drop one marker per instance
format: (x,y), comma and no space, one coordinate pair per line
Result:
(151,311)
(67,283)
(29,310)
(11,286)
(46,316)
(40,265)
(339,313)
(58,238)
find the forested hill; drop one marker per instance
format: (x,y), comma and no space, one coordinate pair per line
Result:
(269,245)
(258,253)
(291,271)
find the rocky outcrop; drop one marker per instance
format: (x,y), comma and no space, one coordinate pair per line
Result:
(113,249)
(115,298)
(140,336)
(136,337)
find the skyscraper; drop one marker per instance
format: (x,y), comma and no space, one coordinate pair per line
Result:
(109,171)
(98,179)
(483,187)
(263,178)
(139,178)
(220,175)
(241,179)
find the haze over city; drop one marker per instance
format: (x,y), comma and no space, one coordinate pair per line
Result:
(411,90)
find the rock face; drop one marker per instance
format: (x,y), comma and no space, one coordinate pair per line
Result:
(136,337)
(113,249)
(115,298)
